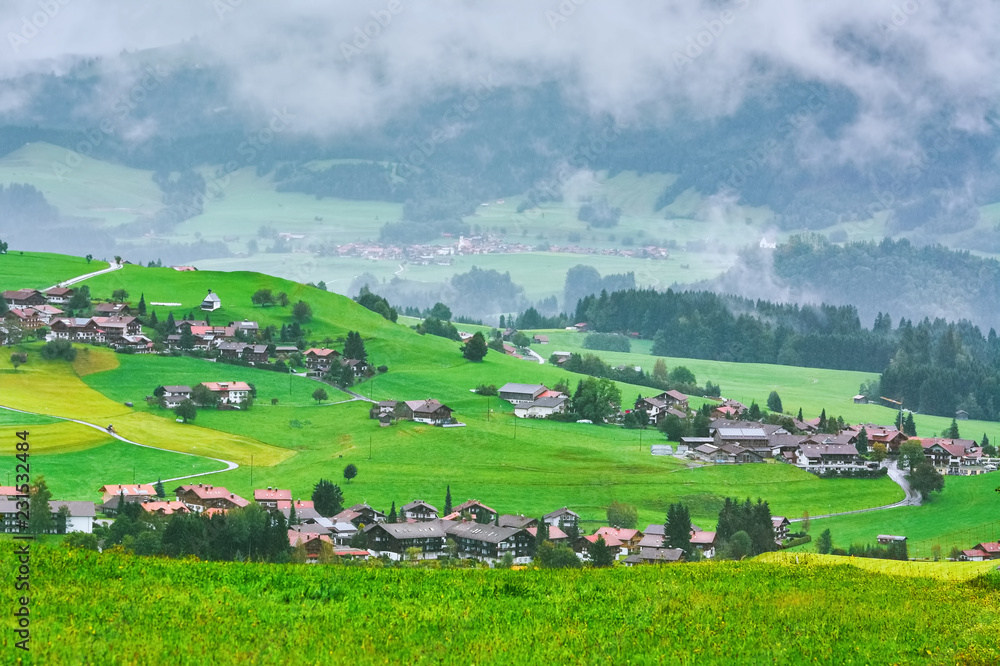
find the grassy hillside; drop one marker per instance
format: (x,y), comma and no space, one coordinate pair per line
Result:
(964,514)
(41,270)
(705,613)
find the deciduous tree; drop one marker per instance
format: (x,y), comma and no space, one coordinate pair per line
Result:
(350,471)
(328,499)
(925,479)
(475,349)
(186,410)
(320,394)
(620,514)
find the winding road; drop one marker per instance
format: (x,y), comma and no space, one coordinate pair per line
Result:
(81,278)
(230,465)
(898,476)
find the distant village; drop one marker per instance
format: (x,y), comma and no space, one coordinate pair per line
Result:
(442,253)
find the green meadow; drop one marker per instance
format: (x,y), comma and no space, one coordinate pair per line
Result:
(709,613)
(967,512)
(41,270)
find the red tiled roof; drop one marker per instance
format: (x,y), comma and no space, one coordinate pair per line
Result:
(213,492)
(990,547)
(703,538)
(268,494)
(167,508)
(975,553)
(227,386)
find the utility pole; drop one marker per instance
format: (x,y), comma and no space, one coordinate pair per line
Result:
(289,380)
(251,470)
(369,447)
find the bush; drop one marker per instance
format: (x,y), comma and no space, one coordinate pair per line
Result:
(487,389)
(607,342)
(58,349)
(797,541)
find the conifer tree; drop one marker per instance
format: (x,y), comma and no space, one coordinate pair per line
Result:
(392,518)
(160,492)
(447,501)
(799,417)
(39,511)
(142,305)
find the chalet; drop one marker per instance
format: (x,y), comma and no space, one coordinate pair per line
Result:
(822,458)
(426,411)
(510,350)
(165,508)
(974,555)
(23,298)
(490,542)
(26,318)
(556,535)
(542,407)
(582,545)
(704,542)
(211,303)
(886,539)
(271,496)
(203,496)
(889,436)
(521,393)
(133,490)
(992,550)
(247,327)
(382,408)
(286,349)
(729,409)
(359,368)
(477,510)
(139,344)
(962,415)
(319,361)
(46,313)
(754,439)
(304,509)
(231,350)
(58,295)
(655,556)
(118,327)
(628,538)
(112,505)
(540,339)
(111,309)
(563,518)
(394,539)
(362,515)
(81,515)
(952,456)
(230,393)
(76,329)
(255,354)
(174,395)
(519,521)
(509,332)
(312,542)
(419,510)
(781,525)
(669,402)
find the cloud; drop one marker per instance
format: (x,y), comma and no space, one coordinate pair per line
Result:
(340,67)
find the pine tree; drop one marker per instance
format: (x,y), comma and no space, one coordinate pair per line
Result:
(153,321)
(862,443)
(799,417)
(142,305)
(753,414)
(822,421)
(447,501)
(774,402)
(541,533)
(171,324)
(293,518)
(909,426)
(952,431)
(677,529)
(160,492)
(392,514)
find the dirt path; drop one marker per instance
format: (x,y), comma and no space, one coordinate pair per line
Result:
(230,465)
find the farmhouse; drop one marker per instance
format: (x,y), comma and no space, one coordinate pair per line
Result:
(393,539)
(828,457)
(556,535)
(312,542)
(419,510)
(271,496)
(563,519)
(58,295)
(319,361)
(76,329)
(230,393)
(363,515)
(111,309)
(26,318)
(542,407)
(521,521)
(953,456)
(781,525)
(116,327)
(24,298)
(521,393)
(133,490)
(478,511)
(655,556)
(426,411)
(202,497)
(628,538)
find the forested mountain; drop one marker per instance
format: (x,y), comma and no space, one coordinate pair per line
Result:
(934,367)
(889,276)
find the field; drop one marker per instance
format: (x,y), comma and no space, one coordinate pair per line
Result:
(967,512)
(949,571)
(701,613)
(55,388)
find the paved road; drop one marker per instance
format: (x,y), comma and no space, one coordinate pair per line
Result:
(81,278)
(230,465)
(897,475)
(535,355)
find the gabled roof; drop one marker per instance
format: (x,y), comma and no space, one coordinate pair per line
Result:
(532,389)
(742,433)
(426,406)
(676,395)
(206,492)
(179,388)
(166,508)
(989,547)
(139,489)
(555,533)
(419,503)
(703,538)
(76,509)
(226,386)
(431,528)
(270,495)
(561,512)
(321,352)
(480,532)
(471,503)
(620,533)
(508,520)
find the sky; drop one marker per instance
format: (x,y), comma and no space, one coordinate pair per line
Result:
(338,67)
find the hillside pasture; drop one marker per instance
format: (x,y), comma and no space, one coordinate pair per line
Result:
(41,270)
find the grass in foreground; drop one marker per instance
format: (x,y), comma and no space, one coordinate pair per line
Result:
(749,612)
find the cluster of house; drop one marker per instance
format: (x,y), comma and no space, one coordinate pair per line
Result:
(428,411)
(230,393)
(987,550)
(534,401)
(319,362)
(737,441)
